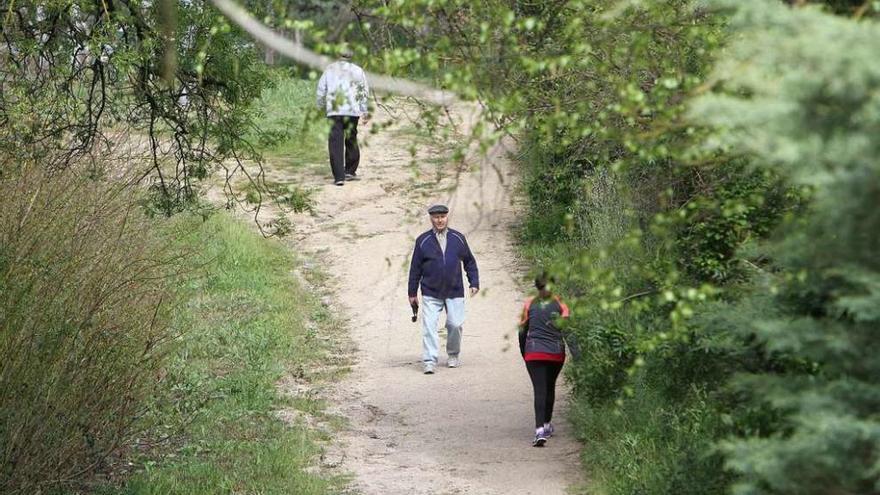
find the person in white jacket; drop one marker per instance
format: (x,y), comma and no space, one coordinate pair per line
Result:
(343,94)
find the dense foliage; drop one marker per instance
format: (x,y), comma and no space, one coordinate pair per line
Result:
(812,113)
(726,290)
(97,100)
(167,85)
(701,178)
(111,111)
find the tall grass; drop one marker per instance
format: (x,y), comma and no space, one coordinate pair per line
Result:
(294,131)
(149,350)
(649,445)
(248,324)
(84,287)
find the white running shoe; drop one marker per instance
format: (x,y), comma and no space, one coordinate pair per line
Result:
(540,438)
(429,368)
(453,362)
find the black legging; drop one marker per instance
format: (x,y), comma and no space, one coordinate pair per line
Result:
(543,375)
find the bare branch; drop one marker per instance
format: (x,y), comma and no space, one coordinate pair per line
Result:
(301,54)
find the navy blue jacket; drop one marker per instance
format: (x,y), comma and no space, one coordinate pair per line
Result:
(439,273)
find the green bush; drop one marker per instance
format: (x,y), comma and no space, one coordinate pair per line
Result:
(815,100)
(652,446)
(648,232)
(715,233)
(728,325)
(84,300)
(93,293)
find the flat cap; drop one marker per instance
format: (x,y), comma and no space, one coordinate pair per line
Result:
(438,208)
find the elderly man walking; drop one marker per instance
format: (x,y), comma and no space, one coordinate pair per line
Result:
(343,94)
(437,259)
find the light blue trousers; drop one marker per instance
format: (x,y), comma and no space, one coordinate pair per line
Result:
(431,308)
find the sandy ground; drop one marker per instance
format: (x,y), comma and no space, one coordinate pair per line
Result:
(460,431)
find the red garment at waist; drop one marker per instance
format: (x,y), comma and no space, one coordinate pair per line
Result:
(544,356)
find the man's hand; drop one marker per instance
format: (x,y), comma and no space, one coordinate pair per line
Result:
(474,291)
(365,118)
(413,300)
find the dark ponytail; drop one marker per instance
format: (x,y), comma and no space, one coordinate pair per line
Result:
(542,280)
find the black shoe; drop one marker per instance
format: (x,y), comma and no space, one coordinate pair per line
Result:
(352,177)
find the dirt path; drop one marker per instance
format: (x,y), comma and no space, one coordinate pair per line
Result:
(459,431)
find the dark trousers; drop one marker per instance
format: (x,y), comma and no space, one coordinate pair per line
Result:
(343,146)
(543,375)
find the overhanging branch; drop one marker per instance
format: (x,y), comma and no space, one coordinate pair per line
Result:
(299,53)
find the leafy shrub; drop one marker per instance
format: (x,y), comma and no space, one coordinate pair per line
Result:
(649,231)
(815,100)
(713,232)
(83,323)
(651,446)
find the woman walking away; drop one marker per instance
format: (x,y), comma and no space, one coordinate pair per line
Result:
(543,348)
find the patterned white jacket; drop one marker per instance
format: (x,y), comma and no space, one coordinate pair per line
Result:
(343,90)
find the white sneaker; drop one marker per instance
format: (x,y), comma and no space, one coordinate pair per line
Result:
(453,362)
(540,438)
(429,368)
